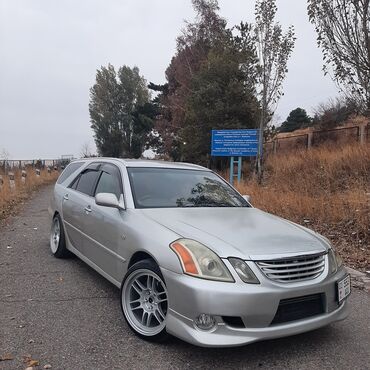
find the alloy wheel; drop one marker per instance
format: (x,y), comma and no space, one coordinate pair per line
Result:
(55,235)
(145,302)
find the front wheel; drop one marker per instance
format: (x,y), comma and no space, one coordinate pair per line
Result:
(144,301)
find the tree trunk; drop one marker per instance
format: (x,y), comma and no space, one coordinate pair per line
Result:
(260,148)
(259,164)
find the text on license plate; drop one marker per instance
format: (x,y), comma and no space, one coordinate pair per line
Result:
(344,287)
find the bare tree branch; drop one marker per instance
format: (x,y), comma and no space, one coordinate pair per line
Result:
(274,49)
(342,28)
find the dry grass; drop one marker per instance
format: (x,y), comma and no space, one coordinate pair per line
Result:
(327,189)
(11,197)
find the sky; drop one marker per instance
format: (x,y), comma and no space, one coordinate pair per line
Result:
(50,51)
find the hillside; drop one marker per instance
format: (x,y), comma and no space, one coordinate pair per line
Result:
(326,189)
(351,122)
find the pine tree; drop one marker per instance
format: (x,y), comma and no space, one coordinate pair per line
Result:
(297,119)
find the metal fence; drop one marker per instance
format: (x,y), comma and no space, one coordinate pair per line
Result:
(312,138)
(9,165)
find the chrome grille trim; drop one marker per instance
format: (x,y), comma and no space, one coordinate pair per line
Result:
(294,269)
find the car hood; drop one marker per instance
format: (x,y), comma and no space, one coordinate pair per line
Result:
(247,233)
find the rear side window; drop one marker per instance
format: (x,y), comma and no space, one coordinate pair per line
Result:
(72,167)
(108,184)
(86,182)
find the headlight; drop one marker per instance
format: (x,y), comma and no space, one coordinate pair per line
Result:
(244,271)
(198,260)
(335,260)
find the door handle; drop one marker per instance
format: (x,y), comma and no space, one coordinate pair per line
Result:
(88,209)
(65,197)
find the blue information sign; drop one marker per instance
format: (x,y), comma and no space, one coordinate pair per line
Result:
(234,143)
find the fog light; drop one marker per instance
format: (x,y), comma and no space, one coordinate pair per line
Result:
(205,322)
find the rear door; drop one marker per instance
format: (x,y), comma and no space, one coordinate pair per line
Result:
(75,199)
(104,226)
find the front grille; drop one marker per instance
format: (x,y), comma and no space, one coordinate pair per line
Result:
(299,308)
(293,269)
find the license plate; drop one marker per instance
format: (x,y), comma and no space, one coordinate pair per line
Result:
(344,288)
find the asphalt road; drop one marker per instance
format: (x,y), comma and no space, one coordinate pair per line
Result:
(62,313)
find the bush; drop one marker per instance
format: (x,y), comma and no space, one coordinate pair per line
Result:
(335,112)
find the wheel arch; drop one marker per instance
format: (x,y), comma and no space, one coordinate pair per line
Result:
(140,256)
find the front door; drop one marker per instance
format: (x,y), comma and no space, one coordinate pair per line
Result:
(104,227)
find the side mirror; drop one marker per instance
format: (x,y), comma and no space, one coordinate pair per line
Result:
(247,198)
(109,200)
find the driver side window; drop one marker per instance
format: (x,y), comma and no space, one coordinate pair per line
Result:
(108,184)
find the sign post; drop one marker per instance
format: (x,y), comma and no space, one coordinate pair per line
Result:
(234,143)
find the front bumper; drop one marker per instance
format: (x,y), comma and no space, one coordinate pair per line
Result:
(256,305)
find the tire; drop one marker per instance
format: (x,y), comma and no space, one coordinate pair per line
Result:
(144,301)
(57,239)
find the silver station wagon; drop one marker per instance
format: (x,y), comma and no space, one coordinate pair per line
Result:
(191,256)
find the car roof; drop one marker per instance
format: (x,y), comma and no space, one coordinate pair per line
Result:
(145,163)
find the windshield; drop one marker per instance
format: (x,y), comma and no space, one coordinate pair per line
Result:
(169,188)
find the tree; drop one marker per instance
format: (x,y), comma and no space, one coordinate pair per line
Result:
(117,112)
(4,155)
(193,45)
(297,119)
(162,138)
(220,98)
(143,120)
(210,84)
(335,112)
(273,49)
(343,33)
(271,129)
(86,151)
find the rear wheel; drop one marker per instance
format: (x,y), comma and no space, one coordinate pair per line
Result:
(57,239)
(144,301)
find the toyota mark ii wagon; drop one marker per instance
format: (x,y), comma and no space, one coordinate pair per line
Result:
(191,256)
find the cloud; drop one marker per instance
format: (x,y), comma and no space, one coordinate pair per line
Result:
(50,51)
